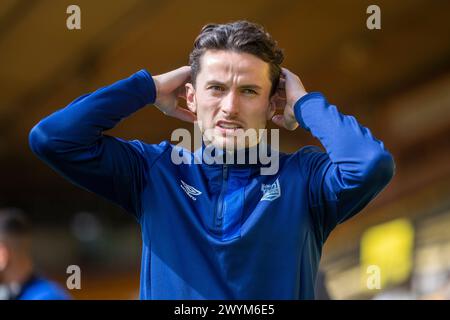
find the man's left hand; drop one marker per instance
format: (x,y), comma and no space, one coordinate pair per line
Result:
(290,89)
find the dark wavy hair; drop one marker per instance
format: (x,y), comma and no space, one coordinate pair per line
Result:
(13,223)
(239,36)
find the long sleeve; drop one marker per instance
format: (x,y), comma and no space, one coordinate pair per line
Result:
(71,141)
(354,169)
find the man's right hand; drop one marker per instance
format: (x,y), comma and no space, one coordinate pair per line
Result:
(169,87)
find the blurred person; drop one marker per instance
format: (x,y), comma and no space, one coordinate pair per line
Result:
(18,277)
(220,229)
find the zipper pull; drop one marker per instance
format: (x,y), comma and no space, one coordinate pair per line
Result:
(225,172)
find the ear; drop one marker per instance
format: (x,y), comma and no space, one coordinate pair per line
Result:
(272,107)
(190,98)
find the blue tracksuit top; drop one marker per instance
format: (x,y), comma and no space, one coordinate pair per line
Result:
(213,231)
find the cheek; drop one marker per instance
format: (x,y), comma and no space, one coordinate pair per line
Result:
(207,110)
(257,113)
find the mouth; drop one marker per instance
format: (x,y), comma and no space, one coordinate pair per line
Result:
(228,127)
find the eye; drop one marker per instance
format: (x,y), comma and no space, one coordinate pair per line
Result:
(249,91)
(216,88)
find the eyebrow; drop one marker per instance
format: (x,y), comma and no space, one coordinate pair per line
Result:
(246,86)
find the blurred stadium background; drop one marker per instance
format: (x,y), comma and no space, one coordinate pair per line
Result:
(395,80)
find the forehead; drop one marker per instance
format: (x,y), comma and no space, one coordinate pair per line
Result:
(221,65)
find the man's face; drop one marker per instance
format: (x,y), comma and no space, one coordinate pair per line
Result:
(4,257)
(231,96)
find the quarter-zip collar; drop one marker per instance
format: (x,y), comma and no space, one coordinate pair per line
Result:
(244,158)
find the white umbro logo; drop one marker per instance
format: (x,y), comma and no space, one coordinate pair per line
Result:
(271,191)
(190,190)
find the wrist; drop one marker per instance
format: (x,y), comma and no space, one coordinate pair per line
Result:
(157,84)
(297,97)
(301,103)
(146,86)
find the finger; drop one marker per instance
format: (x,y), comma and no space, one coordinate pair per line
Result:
(288,76)
(184,114)
(293,82)
(181,93)
(187,70)
(281,84)
(279,120)
(180,76)
(286,72)
(184,70)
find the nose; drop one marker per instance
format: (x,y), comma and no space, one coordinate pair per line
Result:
(230,104)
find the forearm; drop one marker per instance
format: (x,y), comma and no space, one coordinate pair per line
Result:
(71,141)
(358,155)
(82,122)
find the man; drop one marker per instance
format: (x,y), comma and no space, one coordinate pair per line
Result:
(18,279)
(221,230)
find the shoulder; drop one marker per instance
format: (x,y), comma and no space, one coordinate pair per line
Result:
(151,149)
(148,151)
(308,153)
(310,157)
